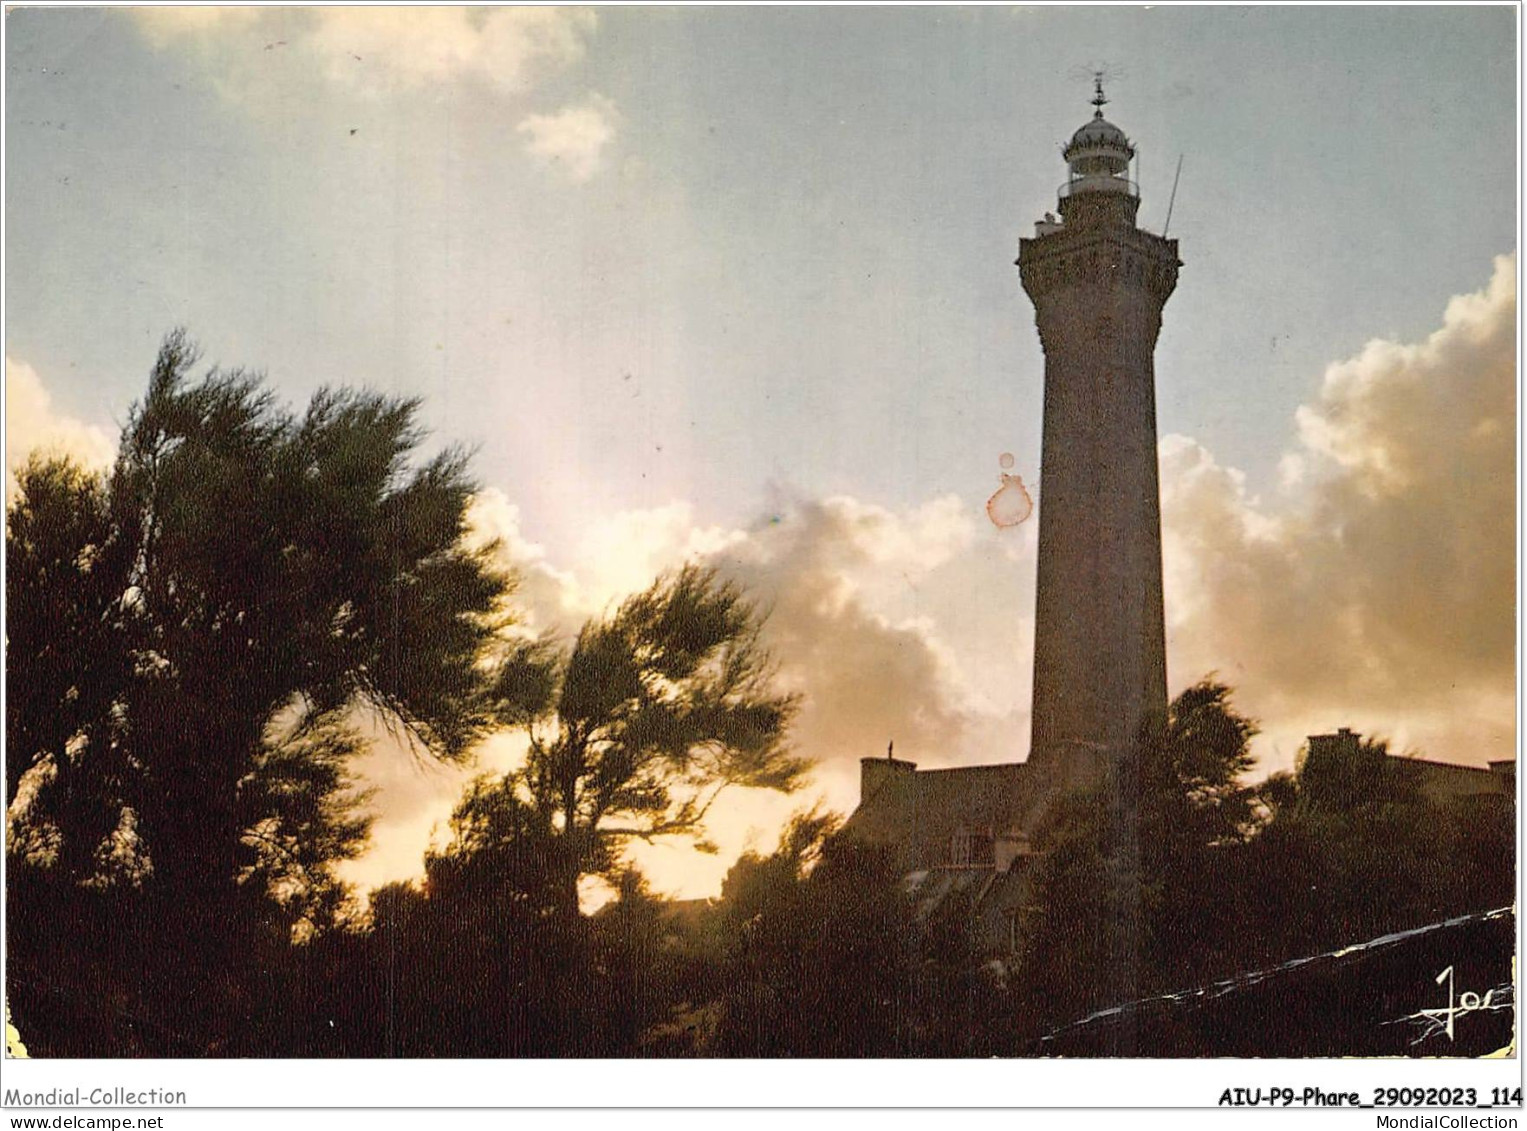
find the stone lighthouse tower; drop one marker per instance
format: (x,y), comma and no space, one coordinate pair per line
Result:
(1098,284)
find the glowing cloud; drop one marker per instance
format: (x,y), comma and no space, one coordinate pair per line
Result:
(33,425)
(866,618)
(574,137)
(1383,594)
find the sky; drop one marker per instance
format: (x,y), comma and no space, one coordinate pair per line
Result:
(737,285)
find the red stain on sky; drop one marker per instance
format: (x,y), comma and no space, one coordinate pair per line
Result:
(1012,503)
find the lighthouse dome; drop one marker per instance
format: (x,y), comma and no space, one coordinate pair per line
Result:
(1097,159)
(1097,137)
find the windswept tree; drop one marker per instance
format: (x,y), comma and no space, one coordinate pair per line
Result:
(66,663)
(657,709)
(652,713)
(197,645)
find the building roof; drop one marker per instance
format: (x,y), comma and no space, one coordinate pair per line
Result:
(922,810)
(1449,779)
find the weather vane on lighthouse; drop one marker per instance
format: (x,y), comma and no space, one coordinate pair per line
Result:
(1098,100)
(1096,73)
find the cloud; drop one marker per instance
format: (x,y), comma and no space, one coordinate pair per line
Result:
(163,26)
(548,599)
(827,571)
(573,137)
(33,425)
(277,63)
(886,622)
(502,47)
(373,50)
(856,597)
(1380,590)
(878,618)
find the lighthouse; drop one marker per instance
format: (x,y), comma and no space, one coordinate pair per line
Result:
(1098,283)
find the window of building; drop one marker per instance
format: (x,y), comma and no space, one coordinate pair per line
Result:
(972,849)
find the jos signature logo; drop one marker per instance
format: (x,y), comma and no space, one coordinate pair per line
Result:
(1457,1005)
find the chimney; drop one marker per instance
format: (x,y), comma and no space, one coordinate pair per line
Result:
(1342,745)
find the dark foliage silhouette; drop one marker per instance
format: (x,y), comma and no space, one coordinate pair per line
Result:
(656,710)
(651,714)
(1178,872)
(194,639)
